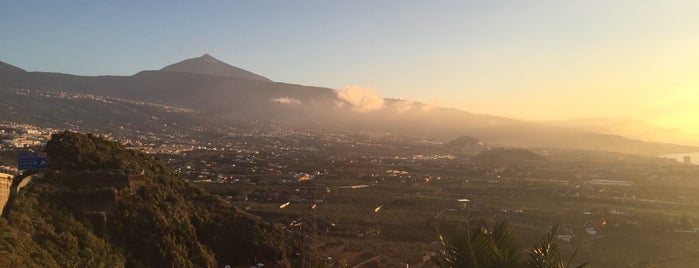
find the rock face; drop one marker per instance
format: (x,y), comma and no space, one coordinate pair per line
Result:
(5,184)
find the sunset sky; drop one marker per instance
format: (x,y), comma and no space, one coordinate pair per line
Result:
(536,60)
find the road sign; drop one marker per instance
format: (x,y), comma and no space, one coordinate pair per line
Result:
(31,161)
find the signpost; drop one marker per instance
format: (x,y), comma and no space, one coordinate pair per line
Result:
(31,161)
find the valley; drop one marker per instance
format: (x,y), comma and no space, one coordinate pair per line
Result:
(378,198)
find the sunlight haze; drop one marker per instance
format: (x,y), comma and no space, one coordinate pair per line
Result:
(355,133)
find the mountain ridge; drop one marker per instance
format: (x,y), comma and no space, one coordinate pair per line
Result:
(6,67)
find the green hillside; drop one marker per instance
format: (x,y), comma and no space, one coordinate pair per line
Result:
(164,223)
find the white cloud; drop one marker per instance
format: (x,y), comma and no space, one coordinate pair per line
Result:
(361,99)
(285,100)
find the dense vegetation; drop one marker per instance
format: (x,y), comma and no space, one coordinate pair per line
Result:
(497,247)
(167,222)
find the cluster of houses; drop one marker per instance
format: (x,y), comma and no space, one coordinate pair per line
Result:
(13,135)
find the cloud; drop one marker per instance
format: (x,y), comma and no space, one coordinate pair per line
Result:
(408,105)
(285,100)
(404,105)
(360,99)
(428,107)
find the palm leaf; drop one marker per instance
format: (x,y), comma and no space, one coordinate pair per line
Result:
(505,245)
(498,247)
(479,248)
(547,254)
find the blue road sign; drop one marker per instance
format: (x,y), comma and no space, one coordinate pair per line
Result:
(31,161)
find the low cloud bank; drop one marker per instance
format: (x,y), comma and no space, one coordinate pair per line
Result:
(285,100)
(360,99)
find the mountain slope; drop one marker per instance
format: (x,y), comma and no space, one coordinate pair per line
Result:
(209,65)
(7,68)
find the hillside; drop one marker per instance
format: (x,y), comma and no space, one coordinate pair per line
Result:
(161,222)
(464,141)
(6,68)
(507,156)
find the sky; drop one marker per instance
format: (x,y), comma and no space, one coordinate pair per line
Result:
(636,61)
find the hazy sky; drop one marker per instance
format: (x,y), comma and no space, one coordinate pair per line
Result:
(538,60)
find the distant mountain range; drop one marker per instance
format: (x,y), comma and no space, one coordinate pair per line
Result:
(635,129)
(211,92)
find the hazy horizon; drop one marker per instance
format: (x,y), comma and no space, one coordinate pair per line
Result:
(630,61)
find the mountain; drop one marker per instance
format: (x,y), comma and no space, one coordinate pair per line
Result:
(465,141)
(209,65)
(89,211)
(193,96)
(7,68)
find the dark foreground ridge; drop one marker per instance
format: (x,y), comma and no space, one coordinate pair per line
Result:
(102,205)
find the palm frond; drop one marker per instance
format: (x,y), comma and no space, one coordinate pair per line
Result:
(546,253)
(506,244)
(497,247)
